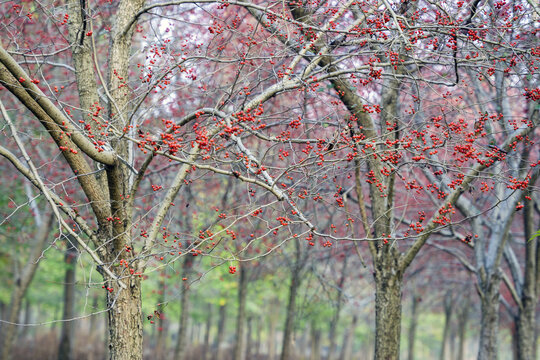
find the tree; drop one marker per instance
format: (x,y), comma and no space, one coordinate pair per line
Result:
(301,103)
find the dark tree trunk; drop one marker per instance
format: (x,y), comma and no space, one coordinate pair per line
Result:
(249,340)
(241,317)
(206,348)
(448,306)
(65,348)
(335,317)
(315,342)
(526,320)
(181,341)
(287,347)
(412,327)
(221,331)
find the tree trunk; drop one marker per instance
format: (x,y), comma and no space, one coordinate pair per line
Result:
(241,317)
(272,329)
(180,349)
(462,329)
(412,327)
(447,318)
(489,326)
(387,313)
(258,341)
(346,349)
(27,319)
(286,352)
(206,348)
(249,340)
(526,320)
(125,321)
(220,332)
(335,317)
(65,348)
(315,342)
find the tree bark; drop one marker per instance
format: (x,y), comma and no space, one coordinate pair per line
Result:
(526,319)
(412,327)
(65,348)
(447,321)
(387,313)
(489,326)
(241,317)
(125,321)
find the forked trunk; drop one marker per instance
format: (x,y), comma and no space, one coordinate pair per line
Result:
(125,321)
(387,314)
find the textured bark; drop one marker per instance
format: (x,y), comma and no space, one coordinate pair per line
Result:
(489,326)
(448,307)
(125,322)
(241,317)
(65,348)
(526,319)
(412,328)
(387,313)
